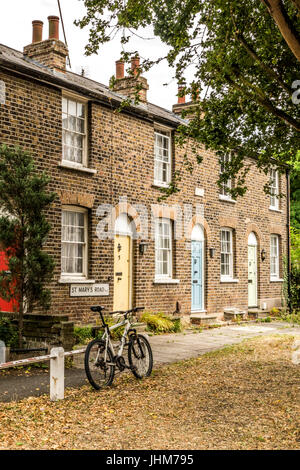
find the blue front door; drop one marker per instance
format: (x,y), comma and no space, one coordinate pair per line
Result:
(197,276)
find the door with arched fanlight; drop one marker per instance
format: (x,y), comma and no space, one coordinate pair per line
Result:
(252,270)
(197,273)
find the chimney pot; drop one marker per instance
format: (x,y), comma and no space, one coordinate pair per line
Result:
(53,27)
(119,69)
(37,31)
(181,99)
(135,64)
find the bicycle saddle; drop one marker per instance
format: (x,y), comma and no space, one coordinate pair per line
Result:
(97,308)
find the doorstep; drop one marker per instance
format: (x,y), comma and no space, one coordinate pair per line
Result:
(234,314)
(203,318)
(255,313)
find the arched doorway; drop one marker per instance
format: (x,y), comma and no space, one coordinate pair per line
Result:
(197,274)
(252,270)
(124,230)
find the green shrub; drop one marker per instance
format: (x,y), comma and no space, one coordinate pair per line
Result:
(292,317)
(8,333)
(275,311)
(161,323)
(82,334)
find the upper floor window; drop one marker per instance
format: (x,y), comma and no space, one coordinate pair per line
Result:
(74,242)
(74,131)
(162,158)
(163,248)
(274,189)
(226,185)
(226,254)
(274,257)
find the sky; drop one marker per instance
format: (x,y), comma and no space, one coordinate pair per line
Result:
(16,32)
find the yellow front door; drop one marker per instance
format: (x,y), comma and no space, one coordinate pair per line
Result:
(122,274)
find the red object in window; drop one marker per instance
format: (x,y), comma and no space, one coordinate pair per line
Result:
(6,306)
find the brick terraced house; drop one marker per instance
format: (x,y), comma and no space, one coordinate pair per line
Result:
(229,257)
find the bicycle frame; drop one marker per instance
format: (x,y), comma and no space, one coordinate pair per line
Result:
(108,342)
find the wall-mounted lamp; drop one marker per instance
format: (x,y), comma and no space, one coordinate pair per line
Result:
(263,254)
(143,247)
(212,252)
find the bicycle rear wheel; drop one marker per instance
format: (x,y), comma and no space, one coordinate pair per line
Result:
(98,364)
(140,356)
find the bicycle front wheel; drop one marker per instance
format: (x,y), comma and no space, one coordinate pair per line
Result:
(140,356)
(98,363)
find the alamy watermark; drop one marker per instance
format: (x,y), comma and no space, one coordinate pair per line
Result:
(140,221)
(2,92)
(296,94)
(296,352)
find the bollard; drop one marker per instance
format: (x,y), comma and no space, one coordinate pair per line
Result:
(57,374)
(2,352)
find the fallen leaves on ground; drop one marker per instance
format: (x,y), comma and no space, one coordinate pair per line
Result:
(242,397)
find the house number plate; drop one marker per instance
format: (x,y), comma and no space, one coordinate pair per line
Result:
(89,290)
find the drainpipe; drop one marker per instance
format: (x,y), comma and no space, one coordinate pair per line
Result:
(288,227)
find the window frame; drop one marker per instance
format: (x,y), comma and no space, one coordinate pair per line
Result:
(230,276)
(275,275)
(274,197)
(169,275)
(84,102)
(84,274)
(228,184)
(167,134)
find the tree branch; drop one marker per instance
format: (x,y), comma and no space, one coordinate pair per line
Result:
(266,103)
(278,13)
(252,53)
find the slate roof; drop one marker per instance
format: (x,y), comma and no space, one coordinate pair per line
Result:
(15,60)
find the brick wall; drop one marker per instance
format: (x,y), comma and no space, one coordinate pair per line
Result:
(121,149)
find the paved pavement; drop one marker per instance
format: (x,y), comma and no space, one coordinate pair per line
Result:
(166,349)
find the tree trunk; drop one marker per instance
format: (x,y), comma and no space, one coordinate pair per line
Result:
(21,323)
(279,15)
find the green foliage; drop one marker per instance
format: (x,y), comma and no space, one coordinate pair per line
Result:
(161,323)
(82,334)
(244,71)
(293,317)
(23,231)
(8,332)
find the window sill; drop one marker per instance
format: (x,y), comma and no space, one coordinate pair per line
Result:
(166,281)
(160,185)
(276,279)
(274,209)
(228,280)
(72,166)
(74,280)
(226,199)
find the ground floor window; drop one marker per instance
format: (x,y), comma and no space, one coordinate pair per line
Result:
(226,254)
(74,242)
(163,248)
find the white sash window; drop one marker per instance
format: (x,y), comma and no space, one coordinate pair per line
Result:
(74,242)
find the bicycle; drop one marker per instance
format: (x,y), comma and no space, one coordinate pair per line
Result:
(100,360)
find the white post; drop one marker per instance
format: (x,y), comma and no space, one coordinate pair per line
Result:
(2,352)
(57,374)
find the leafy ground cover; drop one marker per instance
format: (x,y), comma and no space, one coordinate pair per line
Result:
(242,397)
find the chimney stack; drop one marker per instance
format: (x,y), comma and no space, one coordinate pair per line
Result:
(135,65)
(181,99)
(37,31)
(53,27)
(127,85)
(119,69)
(51,52)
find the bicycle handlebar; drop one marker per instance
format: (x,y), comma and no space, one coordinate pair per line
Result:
(98,308)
